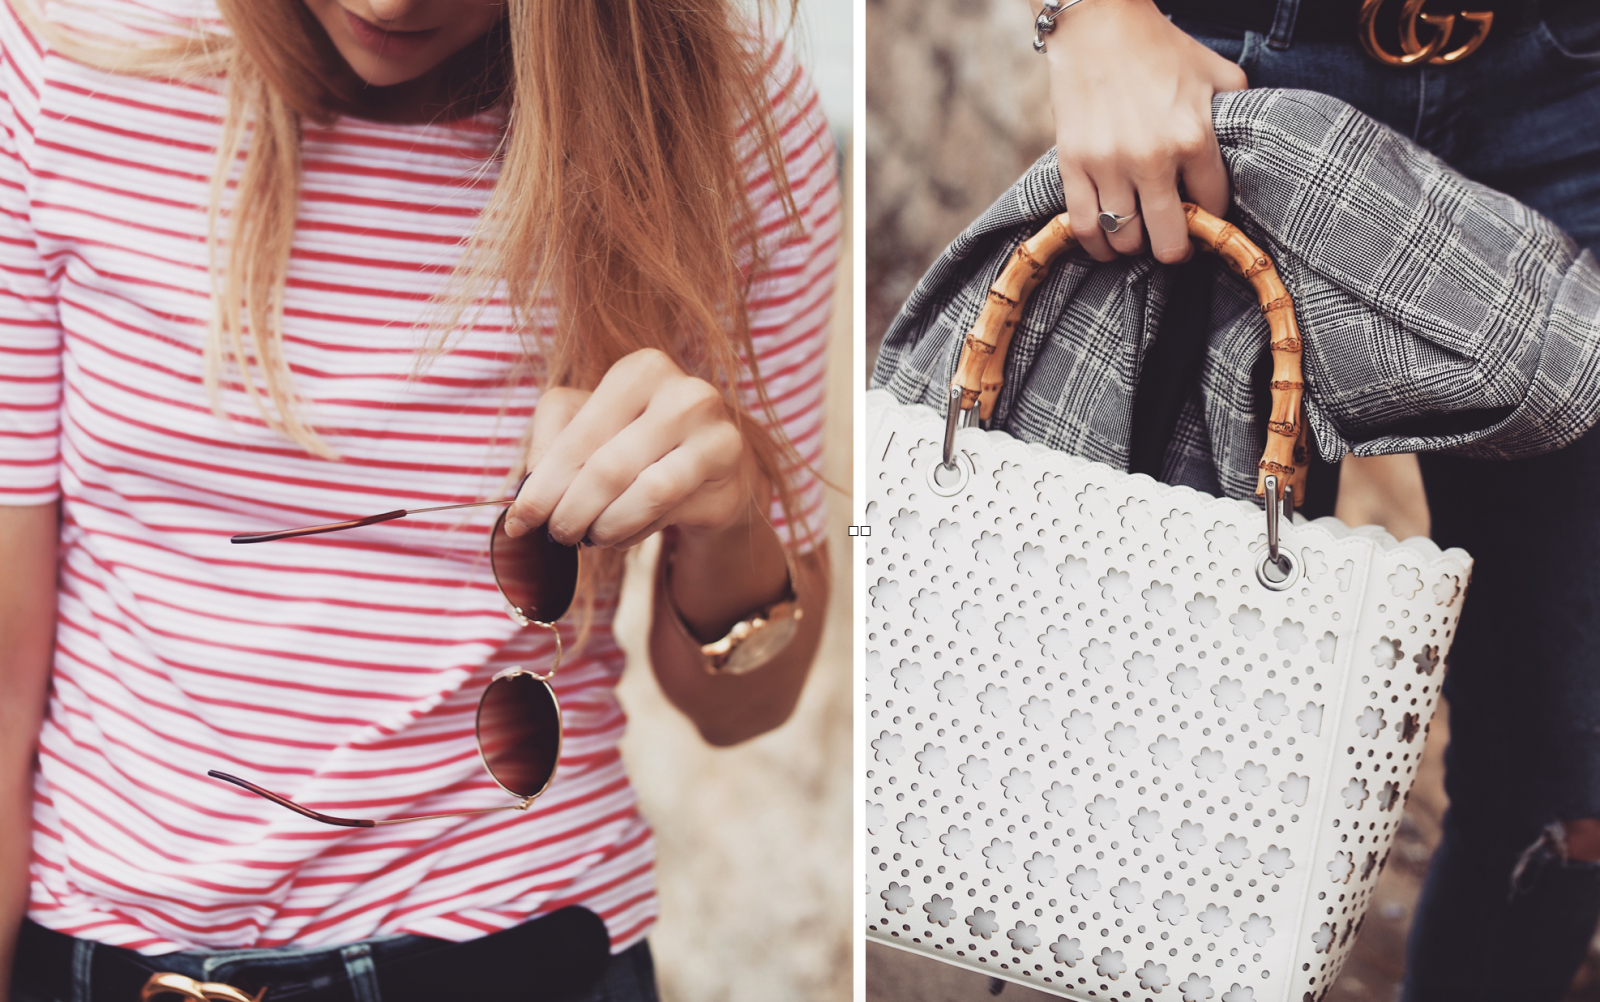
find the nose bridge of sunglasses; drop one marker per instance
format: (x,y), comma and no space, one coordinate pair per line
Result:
(516,670)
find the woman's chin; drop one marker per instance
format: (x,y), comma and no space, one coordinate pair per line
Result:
(377,73)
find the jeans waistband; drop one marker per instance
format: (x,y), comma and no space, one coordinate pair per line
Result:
(547,958)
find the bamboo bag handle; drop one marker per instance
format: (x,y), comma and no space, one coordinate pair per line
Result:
(983,357)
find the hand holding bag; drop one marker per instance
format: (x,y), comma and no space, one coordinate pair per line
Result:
(1128,739)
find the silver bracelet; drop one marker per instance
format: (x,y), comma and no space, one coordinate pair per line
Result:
(1045,23)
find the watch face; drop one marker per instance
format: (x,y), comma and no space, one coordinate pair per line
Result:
(760,646)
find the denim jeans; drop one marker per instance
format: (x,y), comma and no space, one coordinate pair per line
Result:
(347,973)
(1521,115)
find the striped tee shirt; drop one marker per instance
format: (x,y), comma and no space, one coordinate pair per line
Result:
(343,670)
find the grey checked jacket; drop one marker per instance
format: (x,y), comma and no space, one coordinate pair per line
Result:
(1437,314)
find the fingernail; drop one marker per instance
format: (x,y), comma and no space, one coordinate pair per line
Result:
(515,526)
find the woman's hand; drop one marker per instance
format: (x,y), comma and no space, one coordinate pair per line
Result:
(1132,99)
(651,446)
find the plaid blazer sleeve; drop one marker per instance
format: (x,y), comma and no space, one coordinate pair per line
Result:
(1437,313)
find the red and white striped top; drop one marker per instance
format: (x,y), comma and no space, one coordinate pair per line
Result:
(340,670)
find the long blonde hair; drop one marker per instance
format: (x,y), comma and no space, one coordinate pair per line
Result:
(621,195)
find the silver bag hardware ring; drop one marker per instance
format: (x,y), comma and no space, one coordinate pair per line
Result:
(950,475)
(1278,569)
(952,421)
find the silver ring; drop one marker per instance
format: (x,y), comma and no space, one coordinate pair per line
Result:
(1111,222)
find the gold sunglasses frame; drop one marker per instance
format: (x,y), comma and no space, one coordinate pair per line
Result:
(524,801)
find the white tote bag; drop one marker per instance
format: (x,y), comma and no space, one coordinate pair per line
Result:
(1116,750)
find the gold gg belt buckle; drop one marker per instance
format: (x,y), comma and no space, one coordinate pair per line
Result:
(190,990)
(1413,50)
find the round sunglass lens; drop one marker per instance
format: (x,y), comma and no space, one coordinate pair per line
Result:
(536,574)
(519,732)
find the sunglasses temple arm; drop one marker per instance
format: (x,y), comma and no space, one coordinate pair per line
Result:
(329,819)
(313,530)
(326,819)
(520,805)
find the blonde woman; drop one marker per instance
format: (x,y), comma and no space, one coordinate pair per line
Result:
(278,263)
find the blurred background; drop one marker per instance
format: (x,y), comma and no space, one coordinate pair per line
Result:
(957,108)
(754,842)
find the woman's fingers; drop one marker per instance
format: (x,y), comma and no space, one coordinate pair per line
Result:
(556,460)
(649,440)
(1227,75)
(1205,179)
(703,508)
(1117,197)
(1132,101)
(556,409)
(1163,214)
(698,484)
(1083,208)
(1205,176)
(609,473)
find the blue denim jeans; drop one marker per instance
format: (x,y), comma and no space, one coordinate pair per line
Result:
(1521,115)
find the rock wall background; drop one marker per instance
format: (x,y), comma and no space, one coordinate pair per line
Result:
(956,110)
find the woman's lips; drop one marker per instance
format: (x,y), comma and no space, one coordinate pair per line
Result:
(388,43)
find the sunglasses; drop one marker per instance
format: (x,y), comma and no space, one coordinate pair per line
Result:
(519,721)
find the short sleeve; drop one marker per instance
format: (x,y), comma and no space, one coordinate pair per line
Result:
(791,302)
(30,333)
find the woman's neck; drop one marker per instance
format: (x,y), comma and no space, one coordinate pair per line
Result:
(467,83)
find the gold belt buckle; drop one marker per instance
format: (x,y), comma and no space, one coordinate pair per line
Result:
(1413,51)
(190,990)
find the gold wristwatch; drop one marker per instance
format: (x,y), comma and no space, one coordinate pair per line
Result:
(753,640)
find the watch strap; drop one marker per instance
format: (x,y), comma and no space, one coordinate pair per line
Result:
(731,654)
